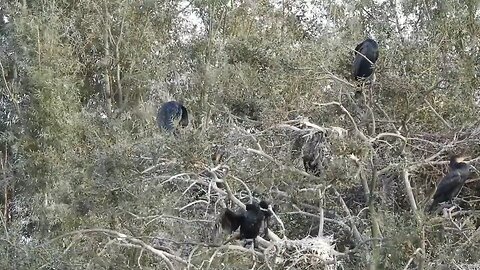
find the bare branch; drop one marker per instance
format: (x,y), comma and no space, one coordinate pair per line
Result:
(130,239)
(408,189)
(357,131)
(437,114)
(356,233)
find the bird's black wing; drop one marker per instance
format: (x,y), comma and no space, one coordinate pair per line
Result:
(231,220)
(251,224)
(370,50)
(448,188)
(375,56)
(449,183)
(167,114)
(357,62)
(358,48)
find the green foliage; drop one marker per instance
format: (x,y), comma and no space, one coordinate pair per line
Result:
(72,162)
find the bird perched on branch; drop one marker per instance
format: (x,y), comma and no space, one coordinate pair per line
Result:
(170,115)
(315,151)
(249,221)
(313,154)
(452,183)
(366,54)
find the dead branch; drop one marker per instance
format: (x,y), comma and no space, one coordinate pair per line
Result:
(165,256)
(408,189)
(356,233)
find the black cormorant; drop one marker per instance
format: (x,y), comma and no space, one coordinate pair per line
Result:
(249,221)
(170,114)
(363,67)
(452,183)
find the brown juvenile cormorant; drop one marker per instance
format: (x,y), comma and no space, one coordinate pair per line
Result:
(452,183)
(314,150)
(363,67)
(249,221)
(170,114)
(313,154)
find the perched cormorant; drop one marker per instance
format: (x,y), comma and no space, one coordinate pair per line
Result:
(170,114)
(313,154)
(249,221)
(452,183)
(313,149)
(363,68)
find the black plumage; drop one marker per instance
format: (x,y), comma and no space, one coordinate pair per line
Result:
(363,67)
(170,114)
(452,183)
(249,221)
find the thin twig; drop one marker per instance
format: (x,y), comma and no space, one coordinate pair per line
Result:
(356,233)
(437,114)
(412,258)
